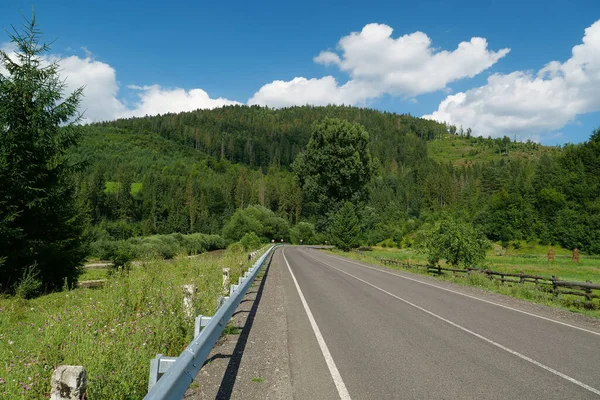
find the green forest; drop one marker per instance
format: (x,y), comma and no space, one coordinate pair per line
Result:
(190,172)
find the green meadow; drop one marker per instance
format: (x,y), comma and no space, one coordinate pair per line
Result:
(113,331)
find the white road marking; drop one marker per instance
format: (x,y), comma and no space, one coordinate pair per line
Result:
(469,296)
(335,373)
(490,341)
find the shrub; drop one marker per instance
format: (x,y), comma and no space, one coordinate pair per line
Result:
(250,241)
(157,246)
(235,248)
(29,285)
(387,243)
(458,243)
(303,232)
(166,246)
(260,220)
(123,255)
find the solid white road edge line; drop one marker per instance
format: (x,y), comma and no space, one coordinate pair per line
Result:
(490,341)
(335,373)
(467,295)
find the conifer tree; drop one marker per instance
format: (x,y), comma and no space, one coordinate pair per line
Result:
(41,226)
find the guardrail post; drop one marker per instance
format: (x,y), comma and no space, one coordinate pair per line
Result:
(183,369)
(201,322)
(221,300)
(158,366)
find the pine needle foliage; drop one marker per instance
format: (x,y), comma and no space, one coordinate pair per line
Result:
(39,220)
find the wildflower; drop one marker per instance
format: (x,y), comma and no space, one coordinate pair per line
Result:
(11,342)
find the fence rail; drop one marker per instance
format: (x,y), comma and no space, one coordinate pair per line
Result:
(554,284)
(180,372)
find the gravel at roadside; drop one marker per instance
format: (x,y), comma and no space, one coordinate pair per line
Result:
(253,364)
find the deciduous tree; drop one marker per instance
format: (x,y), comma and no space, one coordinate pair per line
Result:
(336,166)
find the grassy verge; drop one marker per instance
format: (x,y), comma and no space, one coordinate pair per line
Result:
(90,274)
(588,269)
(113,331)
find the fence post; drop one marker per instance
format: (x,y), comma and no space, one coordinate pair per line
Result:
(550,254)
(69,382)
(554,285)
(188,299)
(225,279)
(588,293)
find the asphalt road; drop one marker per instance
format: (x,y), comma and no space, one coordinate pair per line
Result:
(359,332)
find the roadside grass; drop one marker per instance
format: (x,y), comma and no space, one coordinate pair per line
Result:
(113,331)
(90,274)
(564,268)
(515,262)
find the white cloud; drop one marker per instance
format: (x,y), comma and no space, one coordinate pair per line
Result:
(101,90)
(327,58)
(157,100)
(379,64)
(527,104)
(301,91)
(408,65)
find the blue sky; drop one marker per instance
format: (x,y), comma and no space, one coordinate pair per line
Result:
(235,51)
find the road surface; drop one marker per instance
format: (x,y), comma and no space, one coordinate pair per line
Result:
(356,331)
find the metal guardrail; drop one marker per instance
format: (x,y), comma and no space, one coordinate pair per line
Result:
(180,372)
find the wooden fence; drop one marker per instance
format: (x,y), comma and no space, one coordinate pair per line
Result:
(588,290)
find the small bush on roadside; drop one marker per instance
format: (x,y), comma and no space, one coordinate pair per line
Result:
(156,246)
(459,243)
(122,255)
(303,233)
(29,285)
(235,248)
(387,243)
(250,241)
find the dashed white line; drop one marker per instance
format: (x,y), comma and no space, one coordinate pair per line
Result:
(469,296)
(335,373)
(490,341)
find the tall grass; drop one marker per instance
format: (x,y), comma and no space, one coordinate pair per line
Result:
(113,332)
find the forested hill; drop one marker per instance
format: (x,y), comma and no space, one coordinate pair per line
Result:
(189,172)
(258,136)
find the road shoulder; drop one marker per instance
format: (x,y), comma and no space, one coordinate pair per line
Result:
(253,364)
